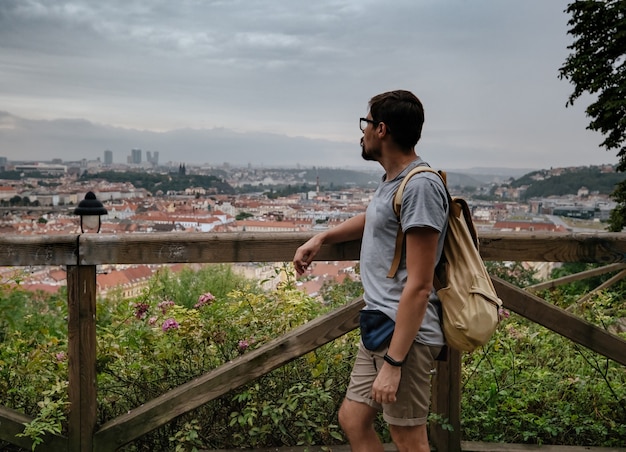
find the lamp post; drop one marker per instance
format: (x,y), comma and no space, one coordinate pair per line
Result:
(81,325)
(90,210)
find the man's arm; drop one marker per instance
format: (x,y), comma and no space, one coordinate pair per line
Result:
(421,252)
(351,229)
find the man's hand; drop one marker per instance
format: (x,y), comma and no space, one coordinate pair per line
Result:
(386,384)
(305,254)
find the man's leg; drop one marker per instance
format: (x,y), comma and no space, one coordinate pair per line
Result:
(410,439)
(357,421)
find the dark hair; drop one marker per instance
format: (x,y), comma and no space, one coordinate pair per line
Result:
(403,114)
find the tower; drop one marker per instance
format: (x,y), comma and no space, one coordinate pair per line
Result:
(135,156)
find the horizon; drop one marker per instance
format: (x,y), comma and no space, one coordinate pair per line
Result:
(367,167)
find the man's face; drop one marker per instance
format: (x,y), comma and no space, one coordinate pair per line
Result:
(370,145)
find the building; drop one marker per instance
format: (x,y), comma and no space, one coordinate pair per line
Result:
(48,169)
(153,157)
(7,192)
(108,157)
(135,156)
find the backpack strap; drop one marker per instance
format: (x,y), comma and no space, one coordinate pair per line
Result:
(397,205)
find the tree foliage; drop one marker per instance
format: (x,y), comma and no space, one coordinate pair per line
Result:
(163,182)
(596,66)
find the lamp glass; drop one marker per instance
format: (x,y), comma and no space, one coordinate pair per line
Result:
(90,223)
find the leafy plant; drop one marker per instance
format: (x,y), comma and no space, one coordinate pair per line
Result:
(51,416)
(527,385)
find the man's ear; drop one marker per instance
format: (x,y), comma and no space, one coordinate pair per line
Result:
(382,129)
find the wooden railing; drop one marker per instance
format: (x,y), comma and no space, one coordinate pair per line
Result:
(82,253)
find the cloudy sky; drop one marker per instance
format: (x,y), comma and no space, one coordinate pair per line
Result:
(285,81)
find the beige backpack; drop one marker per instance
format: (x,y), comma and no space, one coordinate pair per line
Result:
(469,301)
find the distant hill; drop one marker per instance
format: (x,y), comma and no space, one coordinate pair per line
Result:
(336,177)
(539,182)
(495,172)
(466,180)
(568,181)
(477,177)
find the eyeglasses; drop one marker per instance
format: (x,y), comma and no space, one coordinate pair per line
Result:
(364,121)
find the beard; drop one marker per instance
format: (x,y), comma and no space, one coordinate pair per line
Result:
(370,155)
(366,156)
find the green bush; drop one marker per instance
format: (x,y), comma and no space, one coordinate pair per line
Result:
(528,385)
(180,328)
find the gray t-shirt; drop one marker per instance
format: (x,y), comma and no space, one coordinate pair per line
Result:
(424,204)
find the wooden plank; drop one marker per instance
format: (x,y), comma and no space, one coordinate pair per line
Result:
(575,277)
(199,247)
(203,247)
(466,446)
(477,446)
(606,284)
(81,284)
(20,250)
(603,248)
(73,352)
(446,402)
(12,422)
(561,321)
(387,447)
(240,371)
(279,247)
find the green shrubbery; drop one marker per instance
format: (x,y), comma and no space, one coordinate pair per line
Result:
(528,385)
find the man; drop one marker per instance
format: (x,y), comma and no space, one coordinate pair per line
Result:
(393,374)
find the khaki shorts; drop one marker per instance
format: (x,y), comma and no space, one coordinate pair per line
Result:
(413,396)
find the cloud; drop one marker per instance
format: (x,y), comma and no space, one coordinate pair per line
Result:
(486,71)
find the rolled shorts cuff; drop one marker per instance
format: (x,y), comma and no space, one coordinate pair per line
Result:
(365,400)
(402,422)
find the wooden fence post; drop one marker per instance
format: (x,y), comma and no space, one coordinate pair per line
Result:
(446,402)
(81,292)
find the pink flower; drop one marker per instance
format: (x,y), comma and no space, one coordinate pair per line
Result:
(243,345)
(170,324)
(165,305)
(503,314)
(514,333)
(141,309)
(204,299)
(152,320)
(61,356)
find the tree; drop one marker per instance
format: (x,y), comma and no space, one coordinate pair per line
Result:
(597,66)
(243,216)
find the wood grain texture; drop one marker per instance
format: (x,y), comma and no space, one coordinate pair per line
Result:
(198,247)
(21,250)
(81,286)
